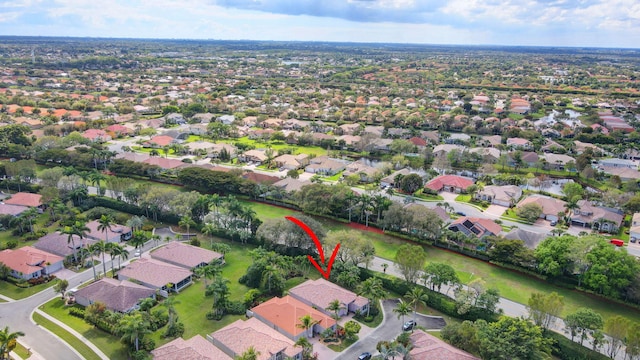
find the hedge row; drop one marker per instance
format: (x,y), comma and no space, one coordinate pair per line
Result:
(566,349)
(438,301)
(127,208)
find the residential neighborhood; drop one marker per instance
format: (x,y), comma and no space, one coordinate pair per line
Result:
(148,192)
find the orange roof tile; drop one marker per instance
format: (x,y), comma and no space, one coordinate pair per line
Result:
(286,312)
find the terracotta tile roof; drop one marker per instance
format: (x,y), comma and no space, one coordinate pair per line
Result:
(116,295)
(286,312)
(321,293)
(439,182)
(477,226)
(240,335)
(165,163)
(196,348)
(161,140)
(426,346)
(550,206)
(27,259)
(185,255)
(260,178)
(25,199)
(154,272)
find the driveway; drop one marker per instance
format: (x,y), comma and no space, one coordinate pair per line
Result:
(390,328)
(495,211)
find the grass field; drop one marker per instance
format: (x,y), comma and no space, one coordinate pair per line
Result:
(22,351)
(107,343)
(17,293)
(76,343)
(277,145)
(513,286)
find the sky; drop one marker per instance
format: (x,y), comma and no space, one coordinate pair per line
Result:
(581,23)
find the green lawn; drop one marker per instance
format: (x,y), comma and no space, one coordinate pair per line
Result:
(17,293)
(512,285)
(277,145)
(76,343)
(107,343)
(22,351)
(266,211)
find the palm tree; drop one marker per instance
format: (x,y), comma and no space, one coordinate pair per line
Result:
(416,296)
(220,290)
(307,322)
(93,250)
(371,289)
(8,341)
(169,304)
(335,306)
(102,247)
(133,328)
(187,222)
(138,239)
(403,351)
(117,250)
(29,215)
(306,346)
(402,309)
(250,354)
(96,178)
(387,352)
(209,229)
(105,224)
(136,222)
(268,274)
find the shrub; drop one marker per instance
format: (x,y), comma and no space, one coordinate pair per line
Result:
(566,349)
(147,344)
(77,312)
(11,244)
(147,227)
(174,330)
(139,355)
(212,315)
(97,212)
(236,308)
(159,318)
(194,241)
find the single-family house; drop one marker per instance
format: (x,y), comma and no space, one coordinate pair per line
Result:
(291,162)
(531,239)
(290,184)
(550,206)
(283,314)
(324,165)
(96,135)
(507,195)
(160,141)
(618,163)
(478,227)
(449,183)
(253,155)
(13,210)
(119,130)
(624,173)
(226,119)
(348,141)
(235,338)
(295,124)
(196,348)
(428,347)
(489,155)
(634,231)
(443,150)
(117,295)
(362,169)
(320,293)
(59,244)
(259,178)
(557,161)
(596,217)
(457,138)
(29,263)
(348,129)
(272,123)
(390,180)
(165,163)
(519,143)
(580,147)
(186,255)
(26,199)
(439,211)
(116,233)
(156,274)
(529,158)
(491,140)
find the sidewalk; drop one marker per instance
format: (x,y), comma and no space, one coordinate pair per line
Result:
(74,333)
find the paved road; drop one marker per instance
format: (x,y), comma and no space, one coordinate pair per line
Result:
(510,308)
(17,315)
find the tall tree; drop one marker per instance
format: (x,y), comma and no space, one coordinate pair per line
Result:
(250,354)
(402,309)
(438,274)
(373,290)
(132,328)
(512,338)
(61,287)
(306,323)
(544,309)
(8,341)
(410,260)
(335,306)
(583,322)
(416,296)
(617,328)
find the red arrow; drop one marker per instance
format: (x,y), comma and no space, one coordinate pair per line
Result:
(313,236)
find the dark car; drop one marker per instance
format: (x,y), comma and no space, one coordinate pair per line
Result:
(409,325)
(364,356)
(460,213)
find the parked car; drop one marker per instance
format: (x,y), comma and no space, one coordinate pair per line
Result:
(460,213)
(137,253)
(409,325)
(364,356)
(553,223)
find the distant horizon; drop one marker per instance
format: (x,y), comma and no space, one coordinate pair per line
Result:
(539,23)
(319,41)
